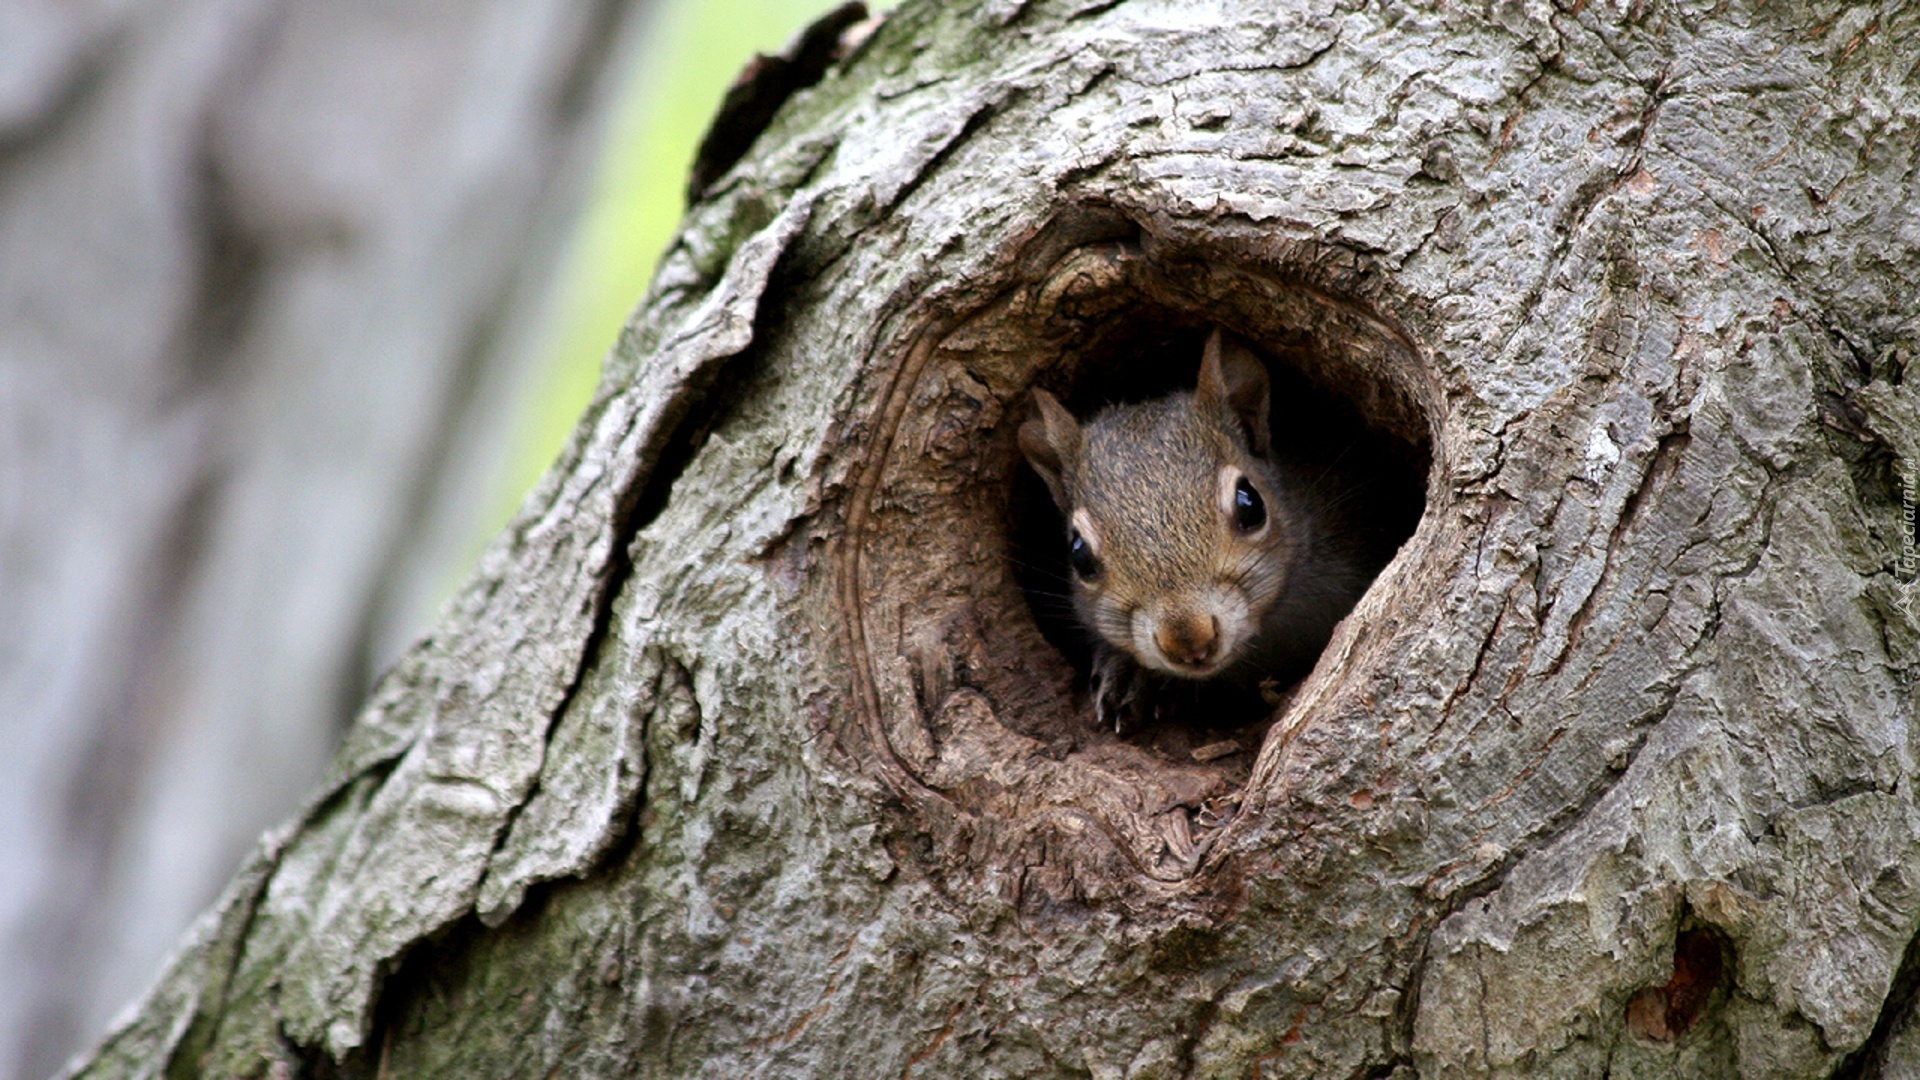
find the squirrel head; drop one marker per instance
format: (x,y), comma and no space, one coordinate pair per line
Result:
(1177,527)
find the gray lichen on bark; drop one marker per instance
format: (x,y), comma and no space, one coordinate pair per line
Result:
(741,755)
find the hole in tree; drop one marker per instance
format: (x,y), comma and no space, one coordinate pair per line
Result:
(1363,484)
(1664,1014)
(953,573)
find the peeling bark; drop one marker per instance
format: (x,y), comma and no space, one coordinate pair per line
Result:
(745,754)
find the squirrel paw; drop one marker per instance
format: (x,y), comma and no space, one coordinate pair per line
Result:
(1121,695)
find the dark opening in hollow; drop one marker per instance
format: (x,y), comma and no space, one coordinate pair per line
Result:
(1700,969)
(1371,482)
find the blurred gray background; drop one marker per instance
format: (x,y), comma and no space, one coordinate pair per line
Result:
(292,306)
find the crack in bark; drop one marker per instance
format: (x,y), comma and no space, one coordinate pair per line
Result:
(1579,208)
(1660,470)
(1094,10)
(187,1043)
(1896,1017)
(698,406)
(1195,1033)
(1505,139)
(940,1038)
(1085,171)
(983,112)
(1407,1012)
(192,1038)
(1473,676)
(1495,877)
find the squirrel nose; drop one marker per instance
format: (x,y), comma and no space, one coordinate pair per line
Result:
(1189,639)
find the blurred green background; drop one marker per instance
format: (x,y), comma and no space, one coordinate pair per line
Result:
(690,52)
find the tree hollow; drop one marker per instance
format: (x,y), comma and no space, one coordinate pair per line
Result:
(970,674)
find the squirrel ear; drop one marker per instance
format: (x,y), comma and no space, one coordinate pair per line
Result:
(1051,442)
(1234,380)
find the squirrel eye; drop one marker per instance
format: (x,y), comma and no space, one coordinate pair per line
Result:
(1080,554)
(1249,510)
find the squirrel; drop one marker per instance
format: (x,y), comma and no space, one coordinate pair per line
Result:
(1198,555)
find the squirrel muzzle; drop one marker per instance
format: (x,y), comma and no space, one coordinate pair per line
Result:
(1188,640)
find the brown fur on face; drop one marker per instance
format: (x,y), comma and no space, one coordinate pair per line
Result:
(1149,487)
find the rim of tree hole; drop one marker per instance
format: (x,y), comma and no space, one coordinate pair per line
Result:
(969,689)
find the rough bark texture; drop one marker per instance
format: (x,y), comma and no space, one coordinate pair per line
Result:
(743,756)
(269,281)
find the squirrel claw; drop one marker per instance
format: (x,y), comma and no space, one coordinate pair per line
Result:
(1119,693)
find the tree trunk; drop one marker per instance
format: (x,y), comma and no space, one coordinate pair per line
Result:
(744,756)
(270,279)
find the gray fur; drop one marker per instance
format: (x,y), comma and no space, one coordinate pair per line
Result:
(1148,477)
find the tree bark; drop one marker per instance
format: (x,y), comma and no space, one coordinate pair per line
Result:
(744,756)
(271,276)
